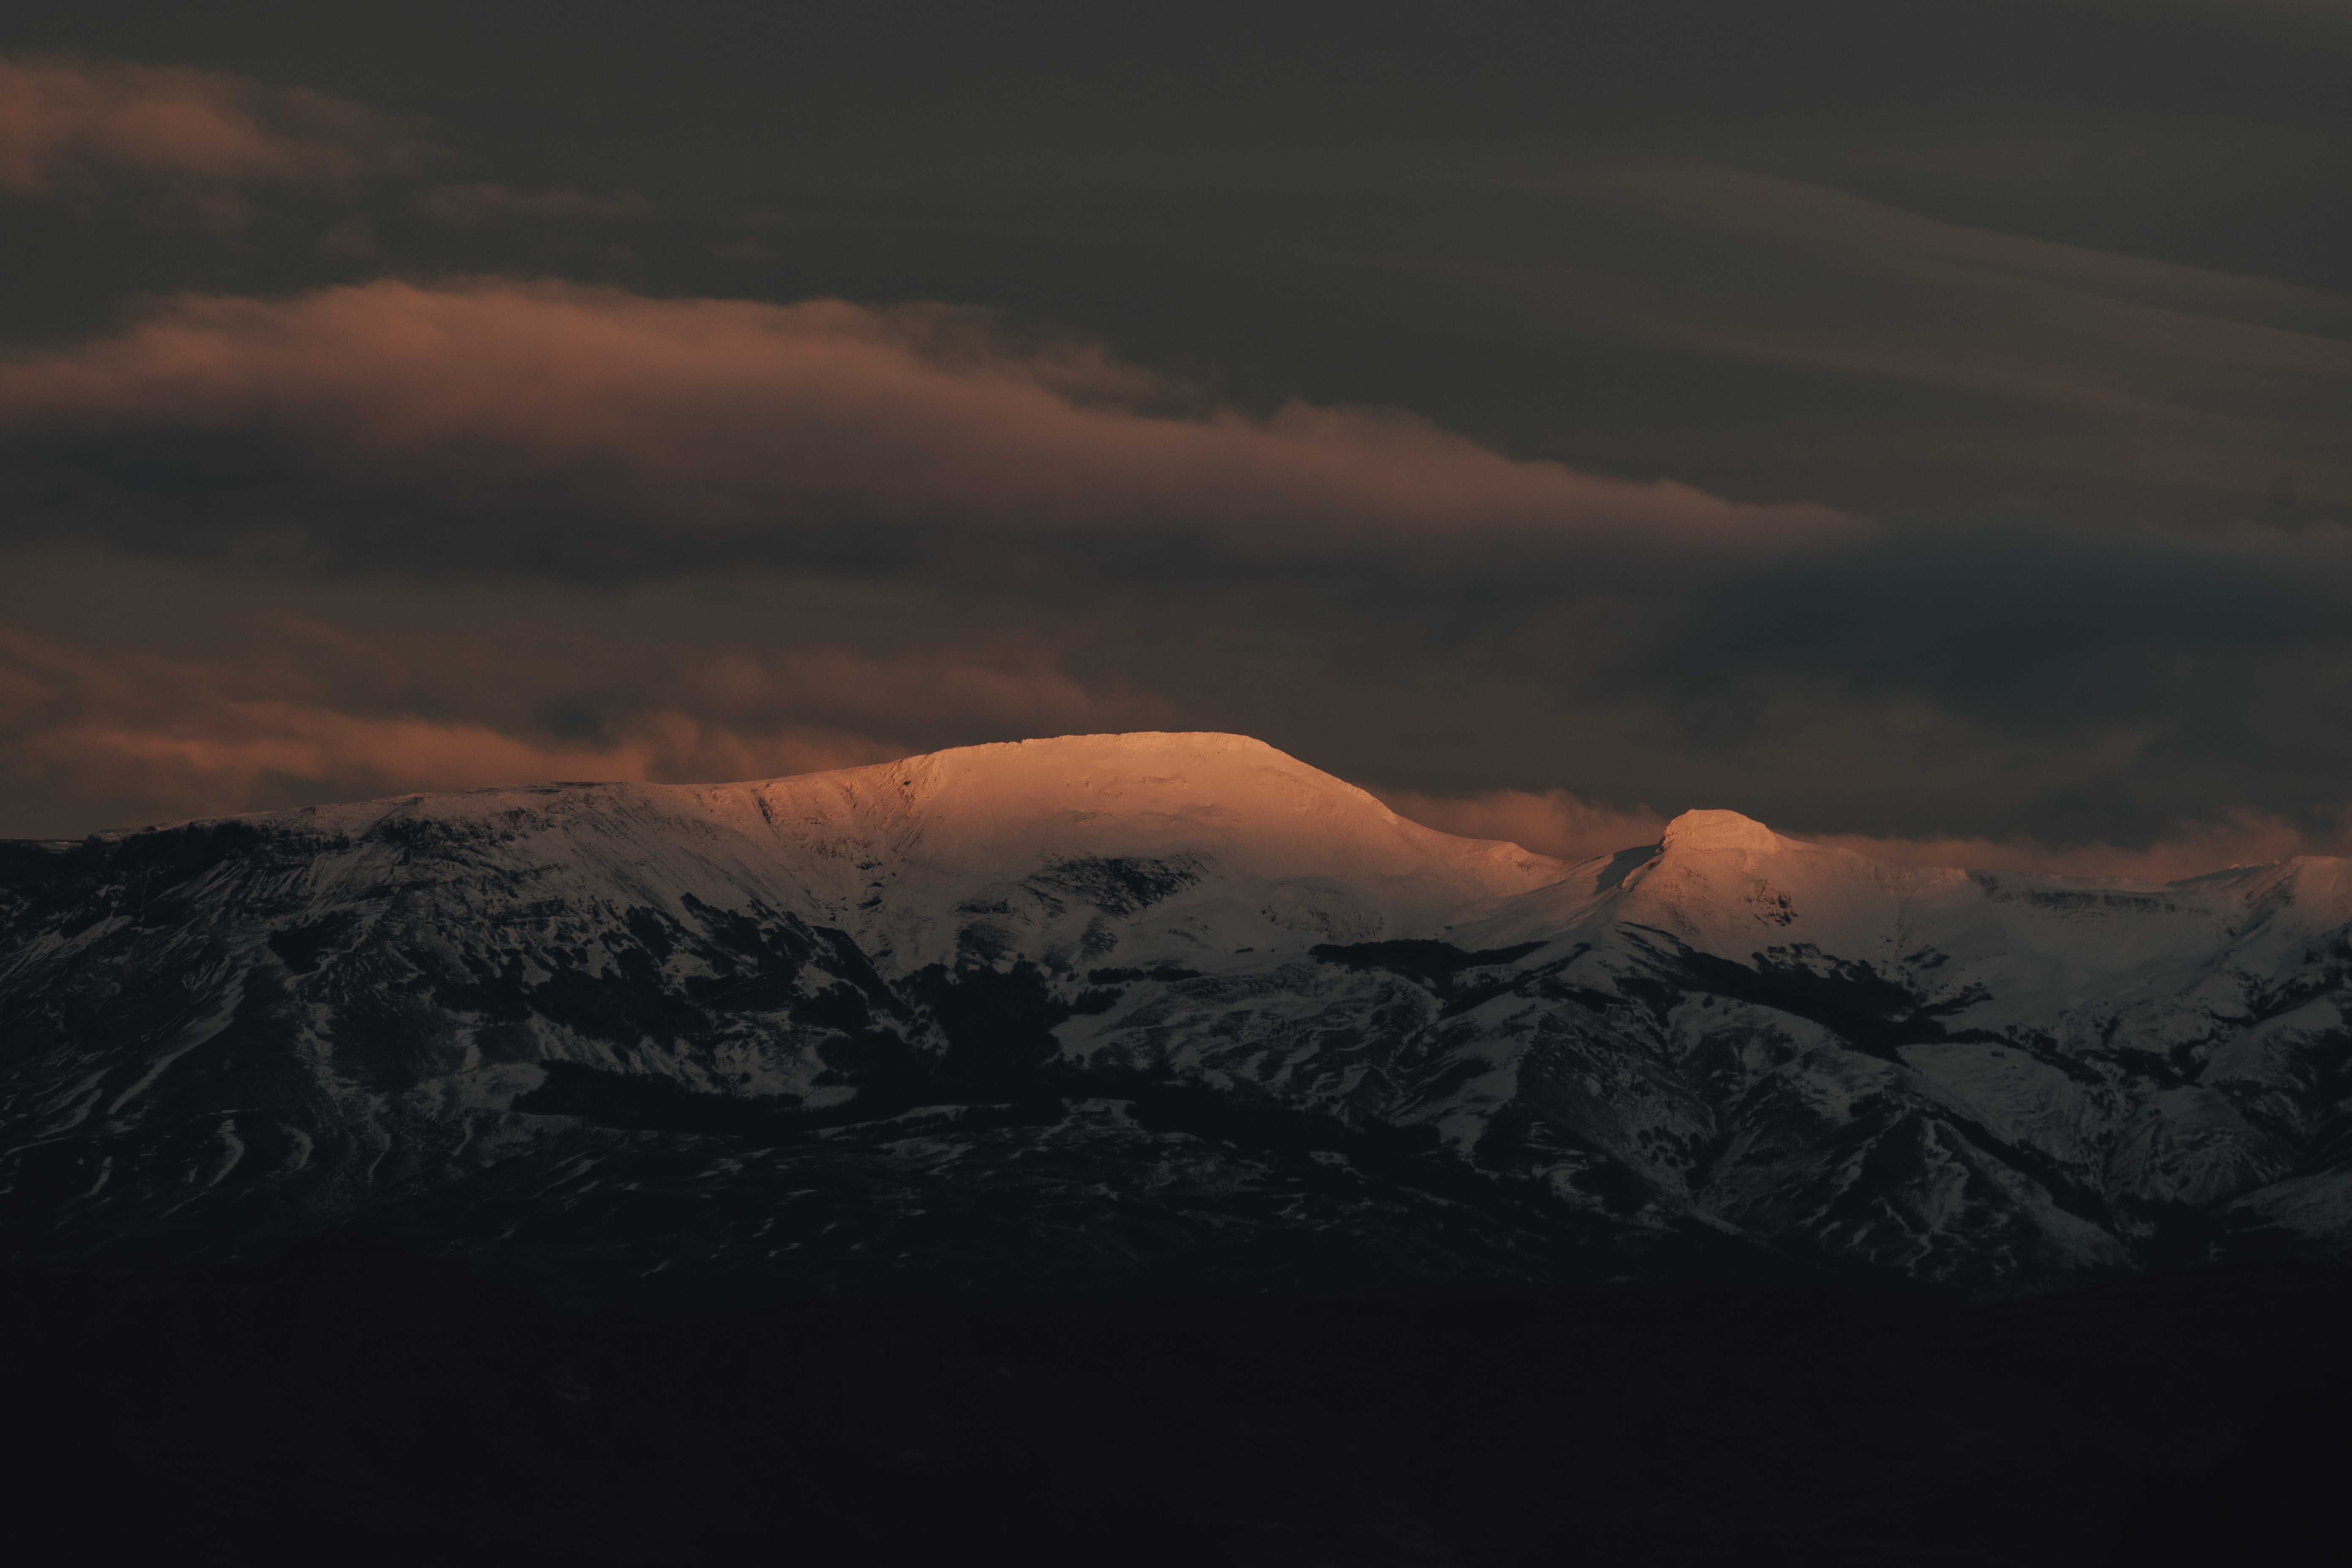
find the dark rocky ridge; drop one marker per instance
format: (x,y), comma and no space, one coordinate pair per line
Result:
(638,1045)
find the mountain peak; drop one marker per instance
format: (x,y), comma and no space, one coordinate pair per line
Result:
(1719,830)
(1126,948)
(1239,819)
(1163,777)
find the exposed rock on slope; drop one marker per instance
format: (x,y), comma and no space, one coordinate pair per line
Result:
(1140,1007)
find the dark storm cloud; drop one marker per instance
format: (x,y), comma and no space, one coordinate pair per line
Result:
(1683,241)
(2036,621)
(2106,384)
(1996,359)
(2186,675)
(2121,680)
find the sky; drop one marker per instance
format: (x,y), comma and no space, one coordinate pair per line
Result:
(1926,427)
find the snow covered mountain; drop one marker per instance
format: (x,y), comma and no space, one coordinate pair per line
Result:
(1130,1008)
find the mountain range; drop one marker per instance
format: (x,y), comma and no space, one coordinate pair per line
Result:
(1146,1010)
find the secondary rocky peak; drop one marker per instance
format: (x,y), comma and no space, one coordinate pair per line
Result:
(1719,830)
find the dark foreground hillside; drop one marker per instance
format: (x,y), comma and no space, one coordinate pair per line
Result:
(351,1404)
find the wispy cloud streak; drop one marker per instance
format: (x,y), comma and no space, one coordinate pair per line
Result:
(194,141)
(502,426)
(326,715)
(470,206)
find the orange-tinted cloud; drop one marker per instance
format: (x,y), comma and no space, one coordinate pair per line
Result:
(1556,823)
(184,737)
(71,127)
(583,430)
(469,206)
(1553,822)
(2188,849)
(194,738)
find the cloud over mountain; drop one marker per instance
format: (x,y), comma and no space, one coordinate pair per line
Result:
(324,713)
(1901,426)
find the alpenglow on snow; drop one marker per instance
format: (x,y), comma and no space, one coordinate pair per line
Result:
(1128,1009)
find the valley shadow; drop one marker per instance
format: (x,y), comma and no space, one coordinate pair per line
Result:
(352,1402)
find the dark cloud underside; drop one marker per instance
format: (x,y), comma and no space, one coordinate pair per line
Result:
(1903,420)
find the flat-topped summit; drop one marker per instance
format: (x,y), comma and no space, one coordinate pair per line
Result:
(1145,792)
(1240,821)
(1200,773)
(1719,830)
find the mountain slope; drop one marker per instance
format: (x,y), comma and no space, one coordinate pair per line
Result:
(1145,1008)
